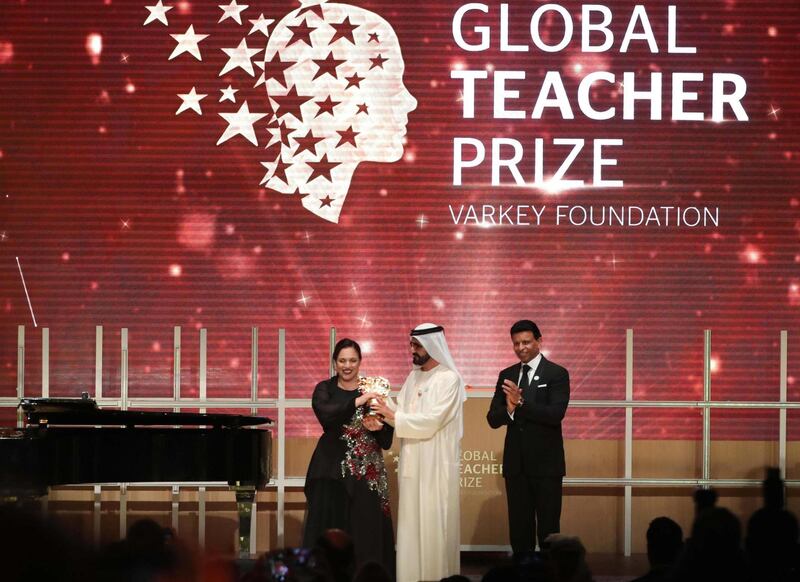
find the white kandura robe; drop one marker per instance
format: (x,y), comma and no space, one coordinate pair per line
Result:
(428,423)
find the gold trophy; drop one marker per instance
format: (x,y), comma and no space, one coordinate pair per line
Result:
(376,385)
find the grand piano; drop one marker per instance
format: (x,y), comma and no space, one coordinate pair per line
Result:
(70,441)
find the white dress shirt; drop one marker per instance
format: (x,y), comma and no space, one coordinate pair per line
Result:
(534,363)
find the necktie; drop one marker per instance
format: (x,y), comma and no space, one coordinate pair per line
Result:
(524,382)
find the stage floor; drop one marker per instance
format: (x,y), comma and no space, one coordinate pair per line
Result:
(604,567)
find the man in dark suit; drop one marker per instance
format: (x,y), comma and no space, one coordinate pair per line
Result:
(531,399)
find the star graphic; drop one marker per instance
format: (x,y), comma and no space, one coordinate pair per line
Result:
(321,168)
(354,81)
(373,36)
(325,201)
(344,29)
(377,62)
(327,66)
(191,100)
(187,43)
(261,25)
(279,172)
(347,136)
(308,143)
(228,94)
(280,133)
(233,11)
(301,32)
(240,123)
(326,106)
(240,57)
(290,103)
(314,9)
(363,108)
(158,12)
(275,69)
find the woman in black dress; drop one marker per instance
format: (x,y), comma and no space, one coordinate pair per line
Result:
(346,485)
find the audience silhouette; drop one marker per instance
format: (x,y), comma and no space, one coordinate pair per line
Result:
(33,550)
(664,545)
(771,540)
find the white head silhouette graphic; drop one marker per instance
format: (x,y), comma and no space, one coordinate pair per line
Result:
(334,80)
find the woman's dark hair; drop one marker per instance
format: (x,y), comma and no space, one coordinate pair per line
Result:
(346,343)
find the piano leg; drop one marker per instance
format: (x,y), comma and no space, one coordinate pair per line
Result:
(245,496)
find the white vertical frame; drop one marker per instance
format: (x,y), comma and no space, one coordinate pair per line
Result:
(123,511)
(628,511)
(20,361)
(176,395)
(201,517)
(44,503)
(96,513)
(331,345)
(706,405)
(175,507)
(176,365)
(784,379)
(254,412)
(20,372)
(202,395)
(98,361)
(254,368)
(203,379)
(45,362)
(123,398)
(281,481)
(123,369)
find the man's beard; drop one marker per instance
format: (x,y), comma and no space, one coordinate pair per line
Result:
(420,360)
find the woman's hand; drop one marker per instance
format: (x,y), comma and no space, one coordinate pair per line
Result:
(380,406)
(364,399)
(372,423)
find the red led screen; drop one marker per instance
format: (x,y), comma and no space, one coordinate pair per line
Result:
(377,165)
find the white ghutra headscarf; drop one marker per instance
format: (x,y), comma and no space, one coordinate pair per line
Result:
(431,336)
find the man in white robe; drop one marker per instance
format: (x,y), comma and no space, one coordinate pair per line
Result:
(428,420)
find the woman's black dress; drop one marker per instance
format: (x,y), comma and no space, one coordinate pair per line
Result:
(335,497)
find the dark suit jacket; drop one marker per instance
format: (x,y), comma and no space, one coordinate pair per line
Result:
(534,445)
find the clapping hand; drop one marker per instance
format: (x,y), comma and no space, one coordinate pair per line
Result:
(364,399)
(513,395)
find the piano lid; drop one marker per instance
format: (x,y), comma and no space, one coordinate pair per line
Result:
(84,411)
